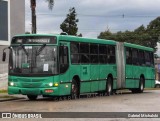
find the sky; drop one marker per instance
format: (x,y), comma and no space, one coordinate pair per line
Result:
(94,16)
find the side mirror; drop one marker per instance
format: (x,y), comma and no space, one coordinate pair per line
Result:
(4,56)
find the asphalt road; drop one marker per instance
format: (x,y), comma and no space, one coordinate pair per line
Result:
(149,101)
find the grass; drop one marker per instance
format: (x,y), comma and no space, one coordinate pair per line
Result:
(7,96)
(3,91)
(4,94)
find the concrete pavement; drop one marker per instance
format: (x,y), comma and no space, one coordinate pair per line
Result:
(3,81)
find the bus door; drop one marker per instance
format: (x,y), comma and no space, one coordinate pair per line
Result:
(63,68)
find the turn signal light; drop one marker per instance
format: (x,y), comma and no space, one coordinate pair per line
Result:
(56,84)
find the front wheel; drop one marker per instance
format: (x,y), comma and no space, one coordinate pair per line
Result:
(32,97)
(109,87)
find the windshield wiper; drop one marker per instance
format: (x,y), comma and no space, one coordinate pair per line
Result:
(22,46)
(39,51)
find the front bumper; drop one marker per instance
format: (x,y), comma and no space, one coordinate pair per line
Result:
(33,91)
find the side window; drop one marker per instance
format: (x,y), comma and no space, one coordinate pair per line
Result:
(75,53)
(84,53)
(111,54)
(128,56)
(135,57)
(63,59)
(147,59)
(93,53)
(141,58)
(102,54)
(152,59)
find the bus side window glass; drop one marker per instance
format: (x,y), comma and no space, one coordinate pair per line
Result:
(93,53)
(128,56)
(102,54)
(84,53)
(147,59)
(111,54)
(64,63)
(75,53)
(141,58)
(135,57)
(152,59)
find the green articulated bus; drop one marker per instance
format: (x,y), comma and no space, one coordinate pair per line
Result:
(58,65)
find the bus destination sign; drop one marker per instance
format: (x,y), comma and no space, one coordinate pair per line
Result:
(34,40)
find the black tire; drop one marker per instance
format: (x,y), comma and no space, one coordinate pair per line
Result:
(157,86)
(109,86)
(141,85)
(74,89)
(134,90)
(140,89)
(32,97)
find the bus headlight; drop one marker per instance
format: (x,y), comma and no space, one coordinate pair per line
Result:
(11,83)
(50,84)
(56,84)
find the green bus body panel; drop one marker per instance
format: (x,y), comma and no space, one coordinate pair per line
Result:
(85,76)
(133,72)
(92,77)
(29,85)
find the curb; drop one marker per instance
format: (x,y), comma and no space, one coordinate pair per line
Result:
(11,99)
(5,97)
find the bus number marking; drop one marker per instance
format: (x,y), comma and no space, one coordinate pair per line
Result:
(84,70)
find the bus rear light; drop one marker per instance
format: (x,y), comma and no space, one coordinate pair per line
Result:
(48,90)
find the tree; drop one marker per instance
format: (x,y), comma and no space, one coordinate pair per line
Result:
(153,29)
(69,25)
(33,11)
(105,34)
(140,29)
(143,36)
(80,35)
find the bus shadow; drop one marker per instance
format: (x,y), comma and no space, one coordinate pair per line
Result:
(84,96)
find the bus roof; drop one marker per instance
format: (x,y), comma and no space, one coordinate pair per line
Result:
(138,46)
(89,40)
(74,38)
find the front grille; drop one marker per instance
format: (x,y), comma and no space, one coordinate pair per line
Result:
(31,85)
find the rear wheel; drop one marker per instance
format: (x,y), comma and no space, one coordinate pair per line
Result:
(140,89)
(109,86)
(75,89)
(32,97)
(141,85)
(157,86)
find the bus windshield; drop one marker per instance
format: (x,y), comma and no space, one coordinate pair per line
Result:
(33,60)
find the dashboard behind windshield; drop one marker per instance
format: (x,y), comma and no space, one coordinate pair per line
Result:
(33,60)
